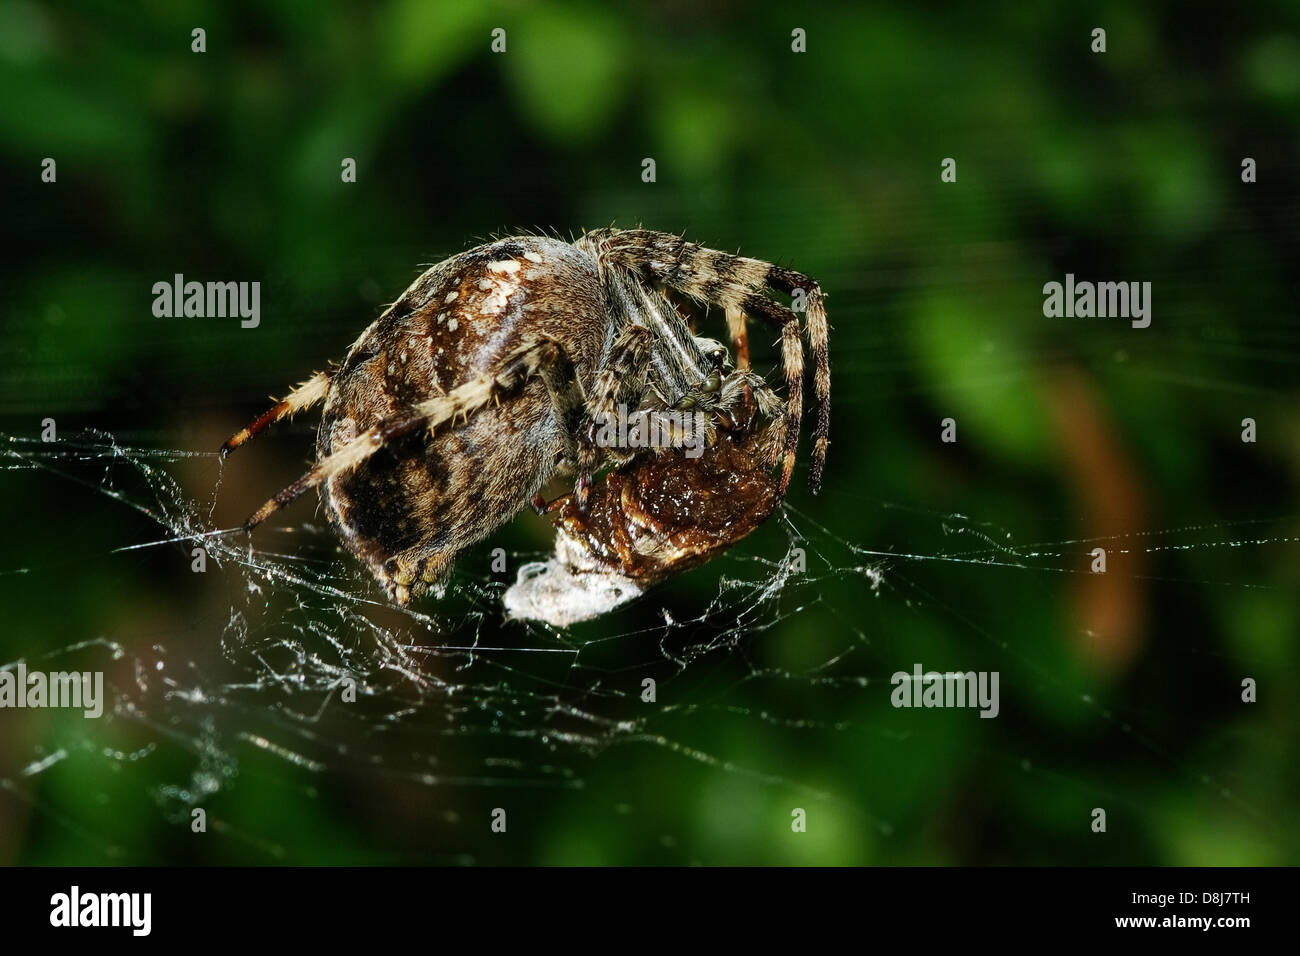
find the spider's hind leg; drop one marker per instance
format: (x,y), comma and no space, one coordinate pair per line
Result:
(304,396)
(544,358)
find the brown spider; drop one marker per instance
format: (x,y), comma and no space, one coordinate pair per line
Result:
(491,373)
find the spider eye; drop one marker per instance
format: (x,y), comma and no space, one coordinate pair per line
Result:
(713,352)
(713,382)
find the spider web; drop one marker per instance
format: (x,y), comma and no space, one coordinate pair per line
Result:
(475,712)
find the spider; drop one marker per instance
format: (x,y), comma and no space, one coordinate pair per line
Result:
(490,374)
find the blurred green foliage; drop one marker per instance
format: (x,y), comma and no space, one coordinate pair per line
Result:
(1120,166)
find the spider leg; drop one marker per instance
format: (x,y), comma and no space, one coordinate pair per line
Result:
(544,358)
(304,396)
(788,281)
(737,282)
(739,336)
(623,375)
(625,372)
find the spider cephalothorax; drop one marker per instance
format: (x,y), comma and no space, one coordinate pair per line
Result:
(492,373)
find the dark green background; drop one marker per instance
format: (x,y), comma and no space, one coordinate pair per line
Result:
(1120,692)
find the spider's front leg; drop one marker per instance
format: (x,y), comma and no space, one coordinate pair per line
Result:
(738,284)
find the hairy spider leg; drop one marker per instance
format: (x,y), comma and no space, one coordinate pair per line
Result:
(622,376)
(739,336)
(625,373)
(739,333)
(304,396)
(787,281)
